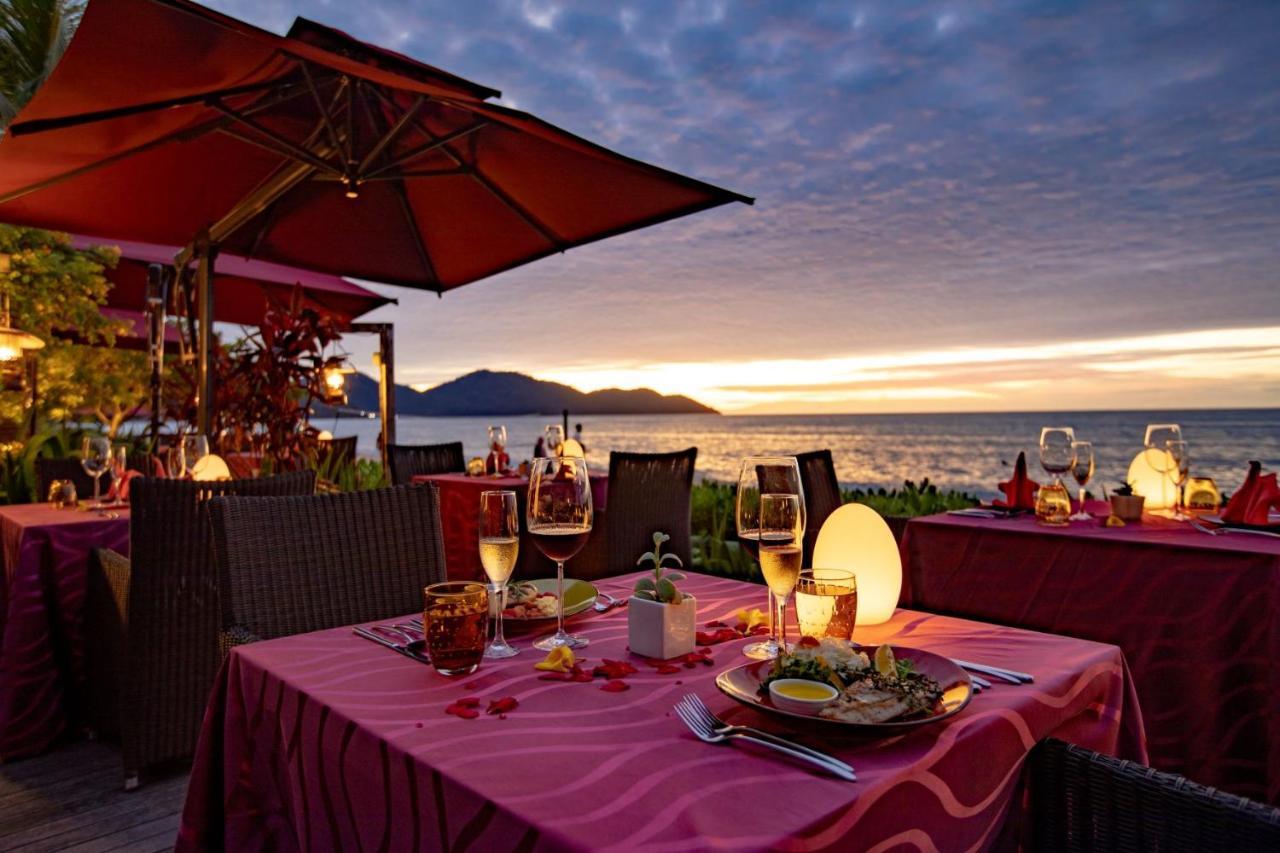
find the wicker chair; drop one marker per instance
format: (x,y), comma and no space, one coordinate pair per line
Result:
(821,495)
(337,451)
(156,618)
(48,470)
(648,492)
(1084,801)
(298,564)
(410,460)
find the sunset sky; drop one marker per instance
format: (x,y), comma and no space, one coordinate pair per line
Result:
(960,206)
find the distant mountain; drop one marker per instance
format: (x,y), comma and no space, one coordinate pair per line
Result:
(487,392)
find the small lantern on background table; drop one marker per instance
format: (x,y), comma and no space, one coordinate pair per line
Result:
(1153,474)
(856,538)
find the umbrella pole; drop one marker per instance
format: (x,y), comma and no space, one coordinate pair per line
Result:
(156,298)
(386,383)
(204,356)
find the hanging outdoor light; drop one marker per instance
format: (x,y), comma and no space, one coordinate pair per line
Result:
(13,342)
(333,382)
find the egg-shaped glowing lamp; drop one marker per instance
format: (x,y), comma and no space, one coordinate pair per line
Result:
(857,539)
(572,448)
(324,435)
(1153,474)
(211,467)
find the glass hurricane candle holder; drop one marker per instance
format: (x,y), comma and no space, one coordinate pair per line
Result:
(1053,505)
(455,618)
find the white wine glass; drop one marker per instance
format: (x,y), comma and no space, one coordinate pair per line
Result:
(553,438)
(558,518)
(495,462)
(1082,472)
(757,475)
(95,458)
(781,553)
(499,548)
(1056,454)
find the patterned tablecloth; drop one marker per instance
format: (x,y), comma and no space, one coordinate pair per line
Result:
(327,741)
(46,558)
(1196,617)
(460,517)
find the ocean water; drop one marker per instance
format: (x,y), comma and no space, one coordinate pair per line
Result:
(970,452)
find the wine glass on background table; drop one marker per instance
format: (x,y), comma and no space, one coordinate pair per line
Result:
(194,448)
(559,522)
(499,547)
(553,438)
(1056,452)
(1180,454)
(496,461)
(781,552)
(1082,473)
(758,475)
(95,458)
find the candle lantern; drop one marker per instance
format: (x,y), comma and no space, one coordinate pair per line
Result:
(857,539)
(1153,474)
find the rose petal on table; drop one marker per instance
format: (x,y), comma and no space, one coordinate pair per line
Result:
(462,711)
(502,706)
(468,701)
(615,686)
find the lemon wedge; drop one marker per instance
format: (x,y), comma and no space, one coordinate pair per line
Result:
(885,664)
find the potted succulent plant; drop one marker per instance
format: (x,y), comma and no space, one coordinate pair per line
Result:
(1125,505)
(661,620)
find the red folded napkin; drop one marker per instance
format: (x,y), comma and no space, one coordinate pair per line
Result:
(119,490)
(1252,502)
(1019,490)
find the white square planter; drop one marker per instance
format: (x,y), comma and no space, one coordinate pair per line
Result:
(662,631)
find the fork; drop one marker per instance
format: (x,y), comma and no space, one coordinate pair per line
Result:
(608,604)
(1010,675)
(699,720)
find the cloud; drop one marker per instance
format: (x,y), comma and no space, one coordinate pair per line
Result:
(929,175)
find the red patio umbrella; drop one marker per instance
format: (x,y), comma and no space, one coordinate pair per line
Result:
(168,123)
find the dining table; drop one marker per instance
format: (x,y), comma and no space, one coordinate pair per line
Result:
(327,741)
(46,553)
(1197,615)
(459,496)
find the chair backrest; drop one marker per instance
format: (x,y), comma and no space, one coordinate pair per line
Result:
(821,495)
(410,460)
(175,610)
(48,470)
(1082,800)
(337,451)
(648,492)
(298,564)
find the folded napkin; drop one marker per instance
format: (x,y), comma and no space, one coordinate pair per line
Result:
(1019,490)
(1252,502)
(119,490)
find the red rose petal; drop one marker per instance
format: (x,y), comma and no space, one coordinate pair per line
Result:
(667,669)
(555,676)
(581,677)
(615,686)
(502,706)
(468,701)
(462,711)
(716,623)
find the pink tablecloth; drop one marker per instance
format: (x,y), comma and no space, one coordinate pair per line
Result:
(325,741)
(1196,616)
(46,554)
(460,514)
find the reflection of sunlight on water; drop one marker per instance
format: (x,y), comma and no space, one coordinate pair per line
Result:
(954,451)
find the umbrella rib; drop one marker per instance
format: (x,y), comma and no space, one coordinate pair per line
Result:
(390,135)
(315,97)
(272,141)
(427,148)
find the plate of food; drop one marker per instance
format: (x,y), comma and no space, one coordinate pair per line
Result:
(841,683)
(1272,525)
(535,601)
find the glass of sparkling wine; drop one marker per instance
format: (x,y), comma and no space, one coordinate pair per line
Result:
(827,603)
(781,552)
(760,474)
(1082,472)
(559,517)
(499,547)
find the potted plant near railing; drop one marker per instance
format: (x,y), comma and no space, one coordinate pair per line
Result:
(661,620)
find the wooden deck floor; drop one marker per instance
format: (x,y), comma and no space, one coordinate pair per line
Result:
(71,799)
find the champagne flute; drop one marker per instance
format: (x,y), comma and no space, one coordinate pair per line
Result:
(1157,439)
(119,466)
(559,522)
(781,553)
(1180,453)
(1056,453)
(194,448)
(176,467)
(499,547)
(759,474)
(1082,472)
(95,457)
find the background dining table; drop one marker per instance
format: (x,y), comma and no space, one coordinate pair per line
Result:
(46,554)
(460,520)
(328,741)
(1197,615)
